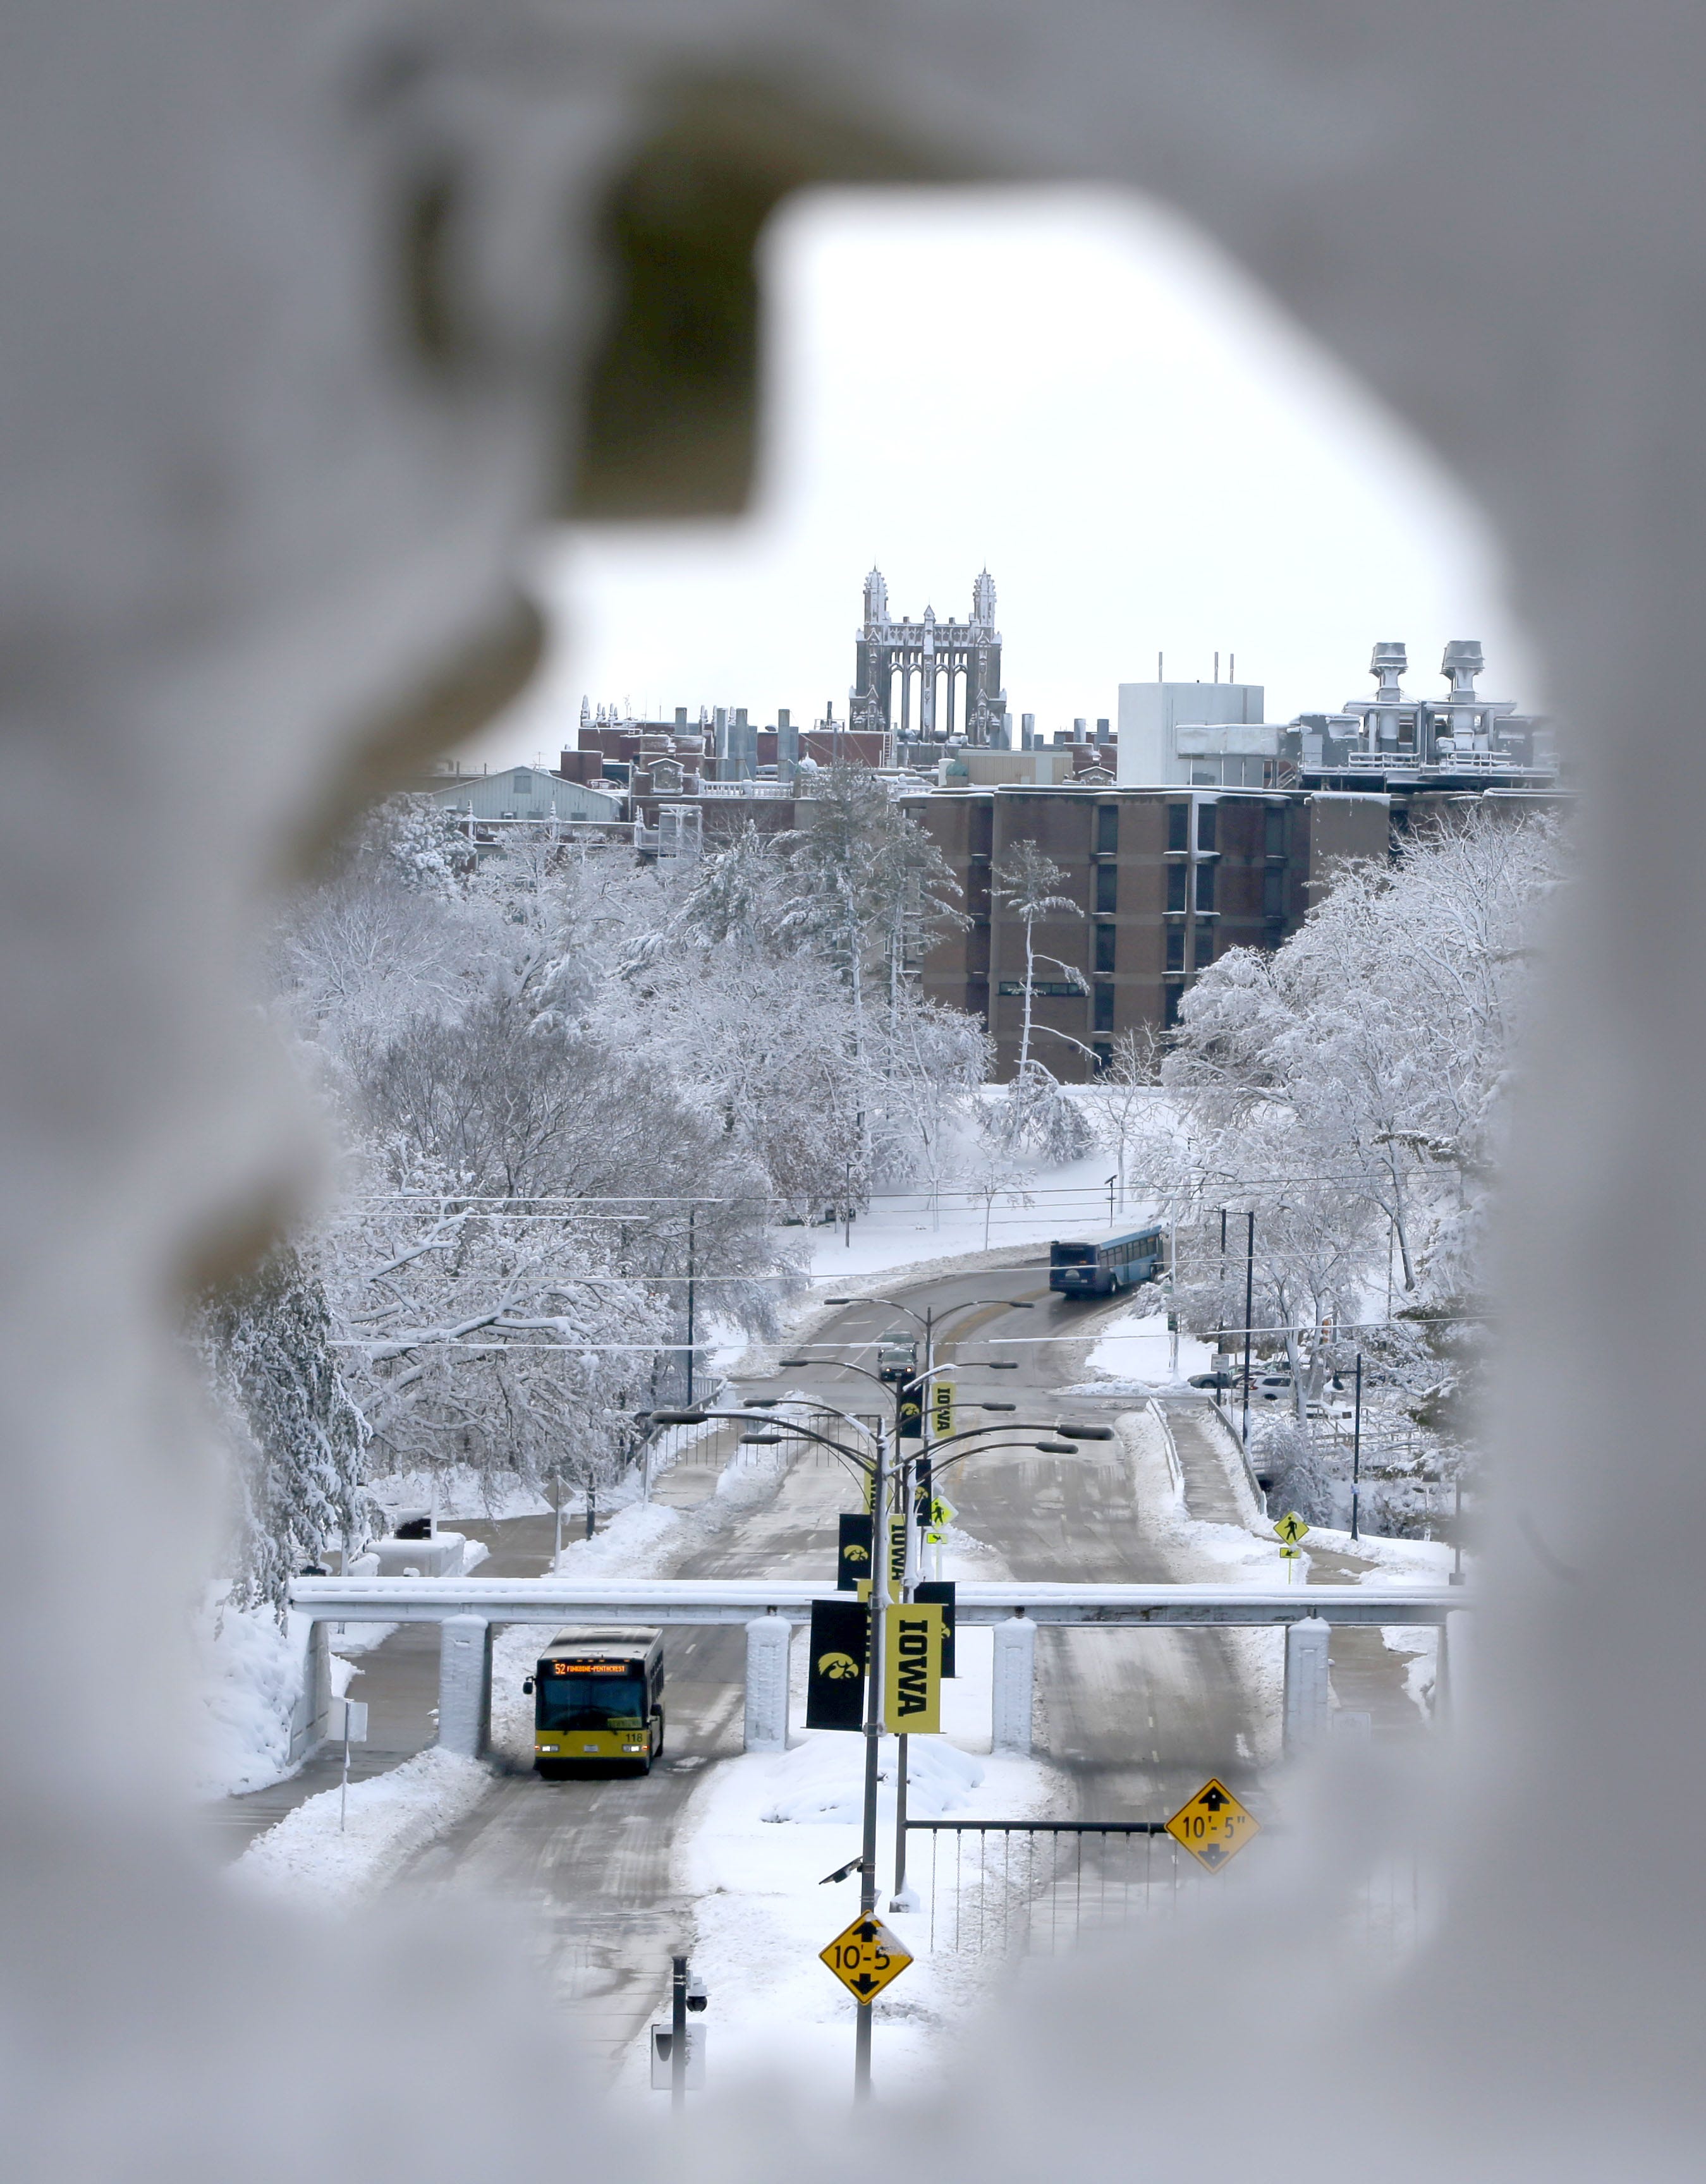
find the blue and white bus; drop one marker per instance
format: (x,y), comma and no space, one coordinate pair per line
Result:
(1096,1266)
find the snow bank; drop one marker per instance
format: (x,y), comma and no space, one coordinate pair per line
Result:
(253,1672)
(391,1817)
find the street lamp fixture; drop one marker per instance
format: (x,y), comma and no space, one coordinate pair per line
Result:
(678,1417)
(762,1440)
(1056,1448)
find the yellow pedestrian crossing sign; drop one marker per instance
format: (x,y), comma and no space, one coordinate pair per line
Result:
(1213,1826)
(942,1514)
(864,1956)
(1290,1528)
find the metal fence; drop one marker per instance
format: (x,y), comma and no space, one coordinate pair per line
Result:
(1034,1887)
(1039,1888)
(715,1448)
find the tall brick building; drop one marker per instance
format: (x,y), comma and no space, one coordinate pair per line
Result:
(1166,881)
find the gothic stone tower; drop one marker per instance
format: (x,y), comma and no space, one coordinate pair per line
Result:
(955,666)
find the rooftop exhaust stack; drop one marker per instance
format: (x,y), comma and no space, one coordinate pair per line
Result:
(1463,662)
(1387,663)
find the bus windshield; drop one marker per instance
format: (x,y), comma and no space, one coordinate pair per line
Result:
(612,1701)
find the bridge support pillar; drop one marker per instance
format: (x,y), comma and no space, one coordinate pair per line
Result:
(1454,1677)
(464,1684)
(1013,1685)
(1308,1696)
(766,1683)
(308,1715)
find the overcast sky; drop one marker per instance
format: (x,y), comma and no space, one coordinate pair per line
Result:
(1076,391)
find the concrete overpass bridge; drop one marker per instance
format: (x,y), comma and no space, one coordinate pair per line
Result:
(469,1610)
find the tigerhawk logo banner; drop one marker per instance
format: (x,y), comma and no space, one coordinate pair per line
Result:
(835,1682)
(912,1668)
(853,1560)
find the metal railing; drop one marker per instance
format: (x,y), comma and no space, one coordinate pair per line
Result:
(1038,1887)
(1033,1887)
(684,1447)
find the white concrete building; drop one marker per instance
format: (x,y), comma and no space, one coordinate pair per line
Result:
(1209,733)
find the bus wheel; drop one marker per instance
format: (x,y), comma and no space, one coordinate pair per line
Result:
(658,1753)
(550,1770)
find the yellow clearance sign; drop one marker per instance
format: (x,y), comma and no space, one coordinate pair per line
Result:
(1213,1826)
(864,1956)
(912,1668)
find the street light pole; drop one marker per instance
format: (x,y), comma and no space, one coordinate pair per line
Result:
(898,1901)
(692,1213)
(1356,1450)
(1249,1314)
(677,2033)
(873,1738)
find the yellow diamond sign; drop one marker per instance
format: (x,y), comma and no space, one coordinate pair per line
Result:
(864,1956)
(1290,1528)
(1213,1826)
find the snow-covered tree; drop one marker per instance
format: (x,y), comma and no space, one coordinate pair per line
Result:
(297,1438)
(1348,1090)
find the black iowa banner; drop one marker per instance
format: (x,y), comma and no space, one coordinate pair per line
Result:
(853,1561)
(835,1688)
(940,1591)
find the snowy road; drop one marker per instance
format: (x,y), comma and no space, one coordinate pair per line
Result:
(1131,1716)
(1134,1719)
(589,1861)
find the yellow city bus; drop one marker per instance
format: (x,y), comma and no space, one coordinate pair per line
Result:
(597,1696)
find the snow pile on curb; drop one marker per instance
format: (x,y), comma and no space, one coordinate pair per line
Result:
(252,1677)
(817,1787)
(390,1818)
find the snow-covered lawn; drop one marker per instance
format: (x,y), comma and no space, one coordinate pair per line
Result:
(903,1227)
(1137,1350)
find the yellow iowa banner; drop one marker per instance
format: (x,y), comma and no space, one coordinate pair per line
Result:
(912,1668)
